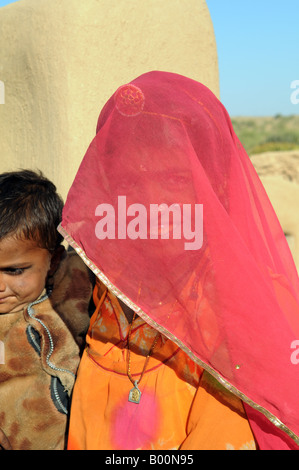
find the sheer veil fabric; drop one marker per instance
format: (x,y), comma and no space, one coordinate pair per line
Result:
(168,211)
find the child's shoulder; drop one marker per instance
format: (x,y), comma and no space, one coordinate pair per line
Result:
(71,296)
(73,277)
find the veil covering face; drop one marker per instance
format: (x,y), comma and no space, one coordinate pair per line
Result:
(169,213)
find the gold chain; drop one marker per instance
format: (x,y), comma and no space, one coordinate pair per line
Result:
(135,382)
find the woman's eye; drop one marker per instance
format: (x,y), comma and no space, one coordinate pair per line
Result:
(177,180)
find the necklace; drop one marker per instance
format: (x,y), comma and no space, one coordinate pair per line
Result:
(135,393)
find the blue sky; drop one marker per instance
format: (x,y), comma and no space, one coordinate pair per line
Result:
(258,53)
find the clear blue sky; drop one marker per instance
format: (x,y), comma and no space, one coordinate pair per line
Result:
(258,53)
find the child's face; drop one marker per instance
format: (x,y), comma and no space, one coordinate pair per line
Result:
(23,271)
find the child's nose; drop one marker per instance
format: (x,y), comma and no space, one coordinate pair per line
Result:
(2,283)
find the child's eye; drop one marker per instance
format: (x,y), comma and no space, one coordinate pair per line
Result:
(15,271)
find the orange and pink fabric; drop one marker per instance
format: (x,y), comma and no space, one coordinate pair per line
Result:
(225,301)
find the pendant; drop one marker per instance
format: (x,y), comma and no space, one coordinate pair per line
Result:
(135,394)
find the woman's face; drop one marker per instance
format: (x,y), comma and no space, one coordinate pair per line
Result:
(155,188)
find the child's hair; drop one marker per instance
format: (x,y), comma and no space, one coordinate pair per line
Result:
(30,208)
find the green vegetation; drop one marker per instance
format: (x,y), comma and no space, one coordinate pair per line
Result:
(267,134)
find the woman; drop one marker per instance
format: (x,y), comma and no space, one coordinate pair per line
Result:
(197,293)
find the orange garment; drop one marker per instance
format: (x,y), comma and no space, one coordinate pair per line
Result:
(181,406)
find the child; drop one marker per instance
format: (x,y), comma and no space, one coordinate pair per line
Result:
(190,343)
(44,298)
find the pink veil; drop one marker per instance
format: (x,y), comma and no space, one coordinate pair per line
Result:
(210,268)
